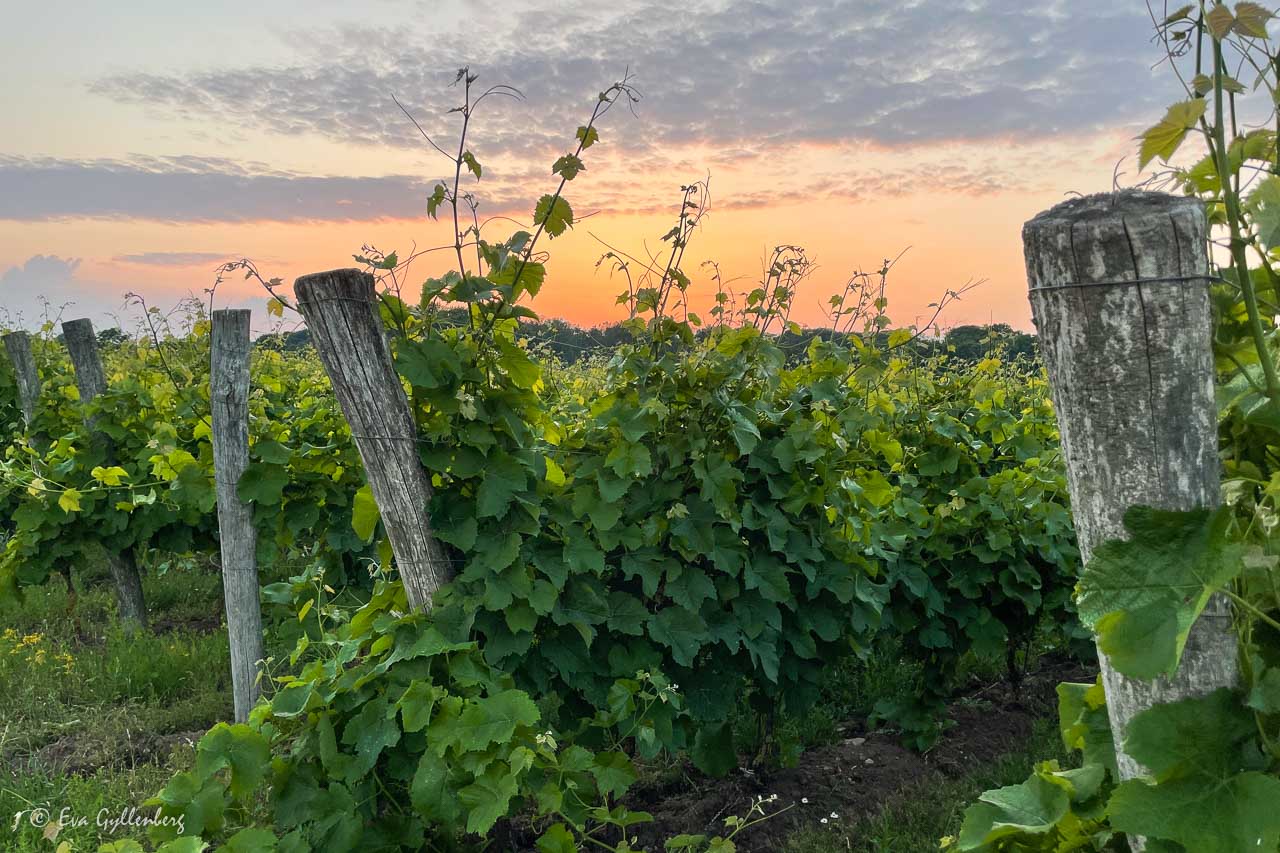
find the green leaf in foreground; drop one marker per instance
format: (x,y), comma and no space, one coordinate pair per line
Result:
(1085,727)
(1034,806)
(1162,139)
(1206,794)
(554,214)
(1142,595)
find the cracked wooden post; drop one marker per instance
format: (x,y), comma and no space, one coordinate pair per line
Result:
(1132,371)
(237,537)
(341,311)
(92,381)
(18,345)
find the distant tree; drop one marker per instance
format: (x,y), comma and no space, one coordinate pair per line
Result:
(111,337)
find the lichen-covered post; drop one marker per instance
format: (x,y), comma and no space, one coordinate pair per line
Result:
(18,345)
(1120,295)
(341,311)
(237,537)
(91,380)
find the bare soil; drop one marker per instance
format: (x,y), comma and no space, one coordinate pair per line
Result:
(853,778)
(83,754)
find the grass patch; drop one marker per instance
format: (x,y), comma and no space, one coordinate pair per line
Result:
(97,717)
(91,799)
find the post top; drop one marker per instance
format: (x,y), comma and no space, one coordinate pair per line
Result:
(1127,203)
(348,283)
(78,328)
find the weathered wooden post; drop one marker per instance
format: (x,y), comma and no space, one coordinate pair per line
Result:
(237,537)
(18,345)
(341,311)
(92,381)
(1119,288)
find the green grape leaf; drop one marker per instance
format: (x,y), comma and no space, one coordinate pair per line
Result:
(690,588)
(364,513)
(1265,695)
(627,614)
(555,474)
(614,773)
(1264,204)
(681,630)
(568,167)
(1085,726)
(250,840)
(1142,595)
(487,799)
(495,718)
(472,164)
(436,199)
(713,750)
(1163,138)
(557,839)
(238,748)
(109,476)
(1032,807)
(1205,735)
(371,731)
(1201,795)
(554,215)
(69,500)
(504,478)
(429,363)
(1207,816)
(587,136)
(272,451)
(1219,21)
(431,791)
(1251,19)
(262,483)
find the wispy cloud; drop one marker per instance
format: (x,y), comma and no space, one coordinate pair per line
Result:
(744,74)
(173,259)
(187,189)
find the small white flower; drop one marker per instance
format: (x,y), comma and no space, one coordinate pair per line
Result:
(804,800)
(824,820)
(835,816)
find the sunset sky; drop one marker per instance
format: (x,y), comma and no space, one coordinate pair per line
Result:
(144,143)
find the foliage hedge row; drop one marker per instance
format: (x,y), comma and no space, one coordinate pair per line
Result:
(644,542)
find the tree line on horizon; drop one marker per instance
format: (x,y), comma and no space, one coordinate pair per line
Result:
(570,342)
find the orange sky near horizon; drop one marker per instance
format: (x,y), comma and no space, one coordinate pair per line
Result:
(952,235)
(170,139)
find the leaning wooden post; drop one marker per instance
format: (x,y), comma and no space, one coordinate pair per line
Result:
(341,311)
(18,345)
(1120,294)
(92,381)
(237,537)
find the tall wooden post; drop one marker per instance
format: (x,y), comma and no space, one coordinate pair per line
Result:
(1120,294)
(341,311)
(18,345)
(237,537)
(92,381)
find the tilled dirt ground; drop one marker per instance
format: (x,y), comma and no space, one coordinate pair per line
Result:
(853,778)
